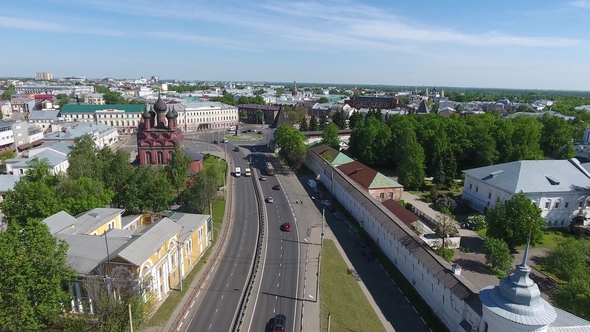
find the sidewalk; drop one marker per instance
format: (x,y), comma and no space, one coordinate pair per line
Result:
(308,219)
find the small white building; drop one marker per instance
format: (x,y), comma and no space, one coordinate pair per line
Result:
(197,115)
(560,188)
(102,134)
(56,155)
(94,99)
(5,109)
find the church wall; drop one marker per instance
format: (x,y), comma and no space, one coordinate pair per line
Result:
(196,166)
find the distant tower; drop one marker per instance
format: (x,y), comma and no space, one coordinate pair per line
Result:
(294,93)
(516,304)
(442,92)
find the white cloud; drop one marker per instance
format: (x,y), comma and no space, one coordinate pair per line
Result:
(26,24)
(581,4)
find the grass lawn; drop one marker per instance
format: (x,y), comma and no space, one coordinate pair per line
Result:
(342,297)
(551,237)
(213,161)
(165,311)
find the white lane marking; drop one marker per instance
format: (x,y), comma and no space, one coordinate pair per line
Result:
(210,326)
(222,296)
(216,310)
(226,285)
(199,292)
(231,274)
(416,311)
(277,285)
(273,310)
(279,274)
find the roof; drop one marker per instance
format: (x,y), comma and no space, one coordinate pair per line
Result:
(423,108)
(53,159)
(406,216)
(83,108)
(437,266)
(7,182)
(154,236)
(534,176)
(566,322)
(59,221)
(367,177)
(90,220)
(63,147)
(79,129)
(189,222)
(259,107)
(86,252)
(189,105)
(281,119)
(44,115)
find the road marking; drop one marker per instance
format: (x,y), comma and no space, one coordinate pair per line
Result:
(273,310)
(231,274)
(281,256)
(216,310)
(423,321)
(210,326)
(277,285)
(407,299)
(222,296)
(280,264)
(192,303)
(199,292)
(226,285)
(279,274)
(236,264)
(276,297)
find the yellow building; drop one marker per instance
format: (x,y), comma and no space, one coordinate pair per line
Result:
(152,247)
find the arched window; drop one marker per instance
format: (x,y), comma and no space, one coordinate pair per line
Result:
(148,157)
(549,223)
(160,157)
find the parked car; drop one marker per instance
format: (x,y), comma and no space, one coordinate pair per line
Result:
(279,323)
(368,254)
(263,178)
(337,215)
(237,149)
(270,200)
(276,187)
(331,208)
(323,197)
(361,242)
(287,227)
(326,202)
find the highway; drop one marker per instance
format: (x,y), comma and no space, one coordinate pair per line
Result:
(280,276)
(218,304)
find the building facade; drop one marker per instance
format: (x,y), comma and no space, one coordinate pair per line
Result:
(158,134)
(94,99)
(125,117)
(560,188)
(269,112)
(44,76)
(102,135)
(194,116)
(55,89)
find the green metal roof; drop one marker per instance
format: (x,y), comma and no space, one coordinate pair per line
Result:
(77,108)
(341,159)
(382,181)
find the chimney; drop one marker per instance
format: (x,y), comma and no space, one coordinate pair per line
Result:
(456,269)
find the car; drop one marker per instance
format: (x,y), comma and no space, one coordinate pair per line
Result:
(331,208)
(263,178)
(276,187)
(287,227)
(316,190)
(237,149)
(270,200)
(368,254)
(361,242)
(326,202)
(279,323)
(337,215)
(323,197)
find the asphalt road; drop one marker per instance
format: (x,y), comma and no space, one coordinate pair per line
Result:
(280,277)
(220,300)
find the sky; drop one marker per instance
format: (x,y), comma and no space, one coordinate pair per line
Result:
(524,44)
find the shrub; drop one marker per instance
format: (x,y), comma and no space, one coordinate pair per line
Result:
(446,253)
(477,222)
(409,206)
(446,203)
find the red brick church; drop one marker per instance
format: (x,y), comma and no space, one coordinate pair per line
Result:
(158,134)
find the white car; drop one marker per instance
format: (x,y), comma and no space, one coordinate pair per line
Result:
(263,178)
(270,200)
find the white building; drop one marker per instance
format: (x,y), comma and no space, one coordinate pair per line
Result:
(94,99)
(124,117)
(55,89)
(5,109)
(56,155)
(206,115)
(143,92)
(43,119)
(560,188)
(102,134)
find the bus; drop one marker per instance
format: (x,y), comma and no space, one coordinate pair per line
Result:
(269,169)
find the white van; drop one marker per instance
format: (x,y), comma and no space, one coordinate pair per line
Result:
(311,183)
(238,172)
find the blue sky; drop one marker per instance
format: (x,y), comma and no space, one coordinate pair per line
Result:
(541,44)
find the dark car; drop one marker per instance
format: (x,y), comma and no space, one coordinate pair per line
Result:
(276,187)
(337,215)
(361,242)
(323,197)
(279,323)
(287,227)
(368,254)
(237,149)
(331,208)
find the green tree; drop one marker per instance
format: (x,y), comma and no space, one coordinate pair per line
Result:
(477,222)
(330,136)
(555,134)
(526,138)
(5,155)
(354,119)
(313,123)
(259,116)
(447,225)
(82,194)
(574,296)
(116,172)
(339,119)
(101,89)
(63,99)
(33,270)
(201,190)
(323,122)
(514,220)
(177,169)
(146,191)
(322,100)
(82,159)
(7,94)
(445,163)
(497,254)
(569,259)
(410,169)
(243,115)
(292,146)
(303,126)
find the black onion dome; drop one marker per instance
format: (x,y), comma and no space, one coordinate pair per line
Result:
(146,114)
(173,114)
(160,105)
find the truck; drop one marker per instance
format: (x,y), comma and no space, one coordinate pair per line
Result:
(238,172)
(247,172)
(269,169)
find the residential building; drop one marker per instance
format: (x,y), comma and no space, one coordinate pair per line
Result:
(7,182)
(206,115)
(103,135)
(269,113)
(359,102)
(94,99)
(455,300)
(42,119)
(375,183)
(44,76)
(55,154)
(124,117)
(158,134)
(5,109)
(143,92)
(56,89)
(22,105)
(153,248)
(560,188)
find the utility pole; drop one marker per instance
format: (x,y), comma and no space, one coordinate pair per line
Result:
(130,318)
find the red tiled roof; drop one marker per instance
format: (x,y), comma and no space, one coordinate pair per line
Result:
(405,215)
(360,173)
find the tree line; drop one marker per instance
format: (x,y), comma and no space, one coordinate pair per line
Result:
(34,262)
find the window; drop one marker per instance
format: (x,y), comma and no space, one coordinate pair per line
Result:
(489,195)
(470,186)
(566,205)
(390,195)
(547,204)
(381,195)
(476,189)
(556,205)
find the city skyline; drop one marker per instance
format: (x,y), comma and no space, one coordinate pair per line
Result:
(499,44)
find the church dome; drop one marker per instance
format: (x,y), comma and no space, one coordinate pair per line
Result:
(160,106)
(173,114)
(146,114)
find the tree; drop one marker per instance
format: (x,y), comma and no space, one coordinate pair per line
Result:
(526,138)
(63,99)
(146,191)
(323,122)
(555,134)
(330,136)
(292,146)
(33,271)
(243,115)
(82,194)
(116,171)
(5,155)
(323,100)
(354,119)
(477,222)
(259,116)
(201,190)
(447,225)
(313,123)
(339,119)
(574,296)
(303,126)
(82,159)
(497,254)
(410,169)
(177,169)
(101,89)
(569,259)
(7,94)
(514,220)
